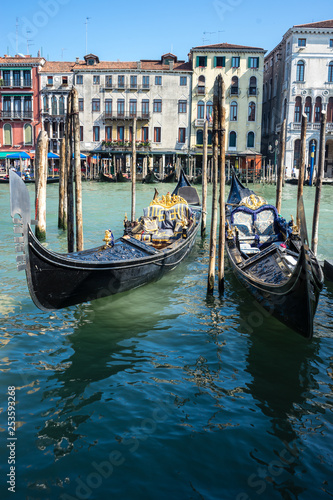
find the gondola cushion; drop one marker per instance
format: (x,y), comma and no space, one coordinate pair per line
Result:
(162,237)
(244,222)
(265,223)
(155,211)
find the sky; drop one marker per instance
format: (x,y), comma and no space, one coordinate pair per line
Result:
(129,30)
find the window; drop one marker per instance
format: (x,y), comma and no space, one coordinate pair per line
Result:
(253,62)
(181,135)
(64,80)
(201,61)
(157,105)
(145,107)
(235,62)
(108,133)
(121,107)
(209,111)
(330,110)
(233,111)
(302,42)
(133,107)
(201,110)
(79,79)
(27,134)
(298,109)
(300,71)
(144,134)
(108,107)
(81,104)
(120,133)
(308,108)
(158,80)
(134,82)
(145,82)
(201,84)
(199,137)
(250,140)
(81,133)
(232,140)
(62,105)
(17,104)
(330,72)
(46,104)
(27,78)
(219,62)
(96,79)
(54,105)
(234,85)
(7,128)
(50,80)
(108,81)
(210,138)
(331,42)
(17,78)
(183,81)
(252,112)
(182,106)
(157,134)
(96,133)
(96,105)
(121,82)
(253,86)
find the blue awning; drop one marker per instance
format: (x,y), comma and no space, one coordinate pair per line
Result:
(52,155)
(18,155)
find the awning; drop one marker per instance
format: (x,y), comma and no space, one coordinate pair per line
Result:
(52,155)
(3,154)
(21,154)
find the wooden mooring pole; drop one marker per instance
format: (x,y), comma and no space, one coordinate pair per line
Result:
(280,178)
(204,180)
(302,163)
(133,173)
(222,184)
(69,165)
(40,184)
(315,224)
(213,229)
(77,170)
(62,213)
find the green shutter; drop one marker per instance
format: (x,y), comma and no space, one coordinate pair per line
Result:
(223,62)
(205,61)
(197,61)
(28,134)
(215,63)
(257,62)
(8,134)
(249,62)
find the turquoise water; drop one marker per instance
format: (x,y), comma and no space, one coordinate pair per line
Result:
(162,392)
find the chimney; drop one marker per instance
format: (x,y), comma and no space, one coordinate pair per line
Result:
(77,60)
(171,65)
(138,65)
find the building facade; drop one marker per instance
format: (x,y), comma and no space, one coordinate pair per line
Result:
(20,121)
(299,79)
(242,71)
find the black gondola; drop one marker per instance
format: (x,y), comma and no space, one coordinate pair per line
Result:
(151,178)
(272,259)
(161,239)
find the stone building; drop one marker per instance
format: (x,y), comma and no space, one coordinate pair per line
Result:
(242,71)
(299,79)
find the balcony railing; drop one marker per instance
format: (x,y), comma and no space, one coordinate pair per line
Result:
(16,115)
(126,115)
(199,122)
(8,82)
(311,126)
(253,91)
(128,86)
(201,90)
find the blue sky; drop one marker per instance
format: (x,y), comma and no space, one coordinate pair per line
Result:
(131,30)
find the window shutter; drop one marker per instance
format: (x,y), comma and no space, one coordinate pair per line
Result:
(249,62)
(205,61)
(197,61)
(215,61)
(223,62)
(257,62)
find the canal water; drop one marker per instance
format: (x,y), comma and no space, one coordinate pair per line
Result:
(162,393)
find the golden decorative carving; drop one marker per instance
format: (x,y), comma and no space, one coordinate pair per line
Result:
(107,238)
(253,201)
(230,232)
(168,201)
(294,227)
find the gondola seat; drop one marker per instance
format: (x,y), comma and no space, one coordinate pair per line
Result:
(265,223)
(247,240)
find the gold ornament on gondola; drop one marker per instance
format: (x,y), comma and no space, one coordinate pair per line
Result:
(107,238)
(294,227)
(168,200)
(253,201)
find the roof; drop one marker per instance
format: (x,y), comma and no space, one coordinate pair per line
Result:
(319,24)
(227,46)
(131,65)
(57,67)
(21,60)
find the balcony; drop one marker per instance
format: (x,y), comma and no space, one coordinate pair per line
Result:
(311,126)
(199,122)
(234,92)
(126,115)
(252,91)
(16,83)
(125,145)
(201,90)
(16,115)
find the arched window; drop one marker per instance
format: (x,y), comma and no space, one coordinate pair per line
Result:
(318,108)
(45,104)
(330,110)
(253,86)
(54,105)
(233,111)
(201,84)
(234,85)
(7,129)
(297,152)
(330,72)
(232,139)
(300,71)
(199,137)
(61,105)
(308,108)
(252,112)
(209,111)
(27,134)
(201,110)
(250,140)
(298,109)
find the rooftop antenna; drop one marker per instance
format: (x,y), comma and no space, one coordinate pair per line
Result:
(86,23)
(28,41)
